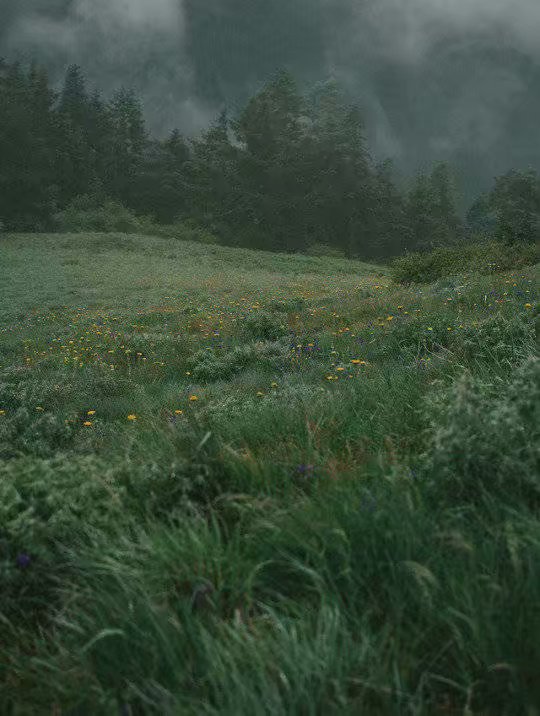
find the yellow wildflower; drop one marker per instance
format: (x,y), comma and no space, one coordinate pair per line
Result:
(193,398)
(88,424)
(91,412)
(178,412)
(132,417)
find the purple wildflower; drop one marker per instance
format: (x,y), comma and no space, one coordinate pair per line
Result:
(23,560)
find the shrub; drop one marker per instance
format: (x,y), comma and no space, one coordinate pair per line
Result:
(319,249)
(484,258)
(486,438)
(187,230)
(211,366)
(262,325)
(44,504)
(85,213)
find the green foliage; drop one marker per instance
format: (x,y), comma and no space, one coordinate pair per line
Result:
(471,424)
(240,482)
(515,200)
(85,213)
(431,210)
(325,250)
(208,365)
(483,258)
(263,325)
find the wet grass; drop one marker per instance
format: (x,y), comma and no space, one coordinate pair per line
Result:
(239,483)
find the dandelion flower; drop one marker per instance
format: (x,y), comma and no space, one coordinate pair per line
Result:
(528,305)
(193,398)
(88,424)
(91,412)
(132,417)
(178,412)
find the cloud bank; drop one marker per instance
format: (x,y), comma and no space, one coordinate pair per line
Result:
(456,79)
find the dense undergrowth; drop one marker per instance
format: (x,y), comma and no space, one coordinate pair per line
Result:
(238,483)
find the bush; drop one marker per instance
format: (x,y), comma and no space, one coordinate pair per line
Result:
(85,213)
(324,250)
(211,366)
(263,325)
(484,258)
(45,504)
(486,439)
(187,230)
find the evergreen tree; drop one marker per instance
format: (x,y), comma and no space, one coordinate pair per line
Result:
(444,208)
(515,200)
(340,172)
(128,144)
(28,142)
(213,183)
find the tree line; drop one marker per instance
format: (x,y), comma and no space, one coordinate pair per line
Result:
(290,172)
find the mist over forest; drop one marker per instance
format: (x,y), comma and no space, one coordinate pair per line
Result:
(454,80)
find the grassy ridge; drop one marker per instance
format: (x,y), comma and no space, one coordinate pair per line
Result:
(233,482)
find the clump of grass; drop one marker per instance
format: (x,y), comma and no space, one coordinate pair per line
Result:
(483,258)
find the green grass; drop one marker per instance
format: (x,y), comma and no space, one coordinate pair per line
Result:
(326,503)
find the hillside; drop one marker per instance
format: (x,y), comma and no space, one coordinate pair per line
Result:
(234,482)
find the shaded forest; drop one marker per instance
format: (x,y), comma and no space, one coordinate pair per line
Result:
(288,172)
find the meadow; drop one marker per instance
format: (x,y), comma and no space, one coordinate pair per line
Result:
(234,482)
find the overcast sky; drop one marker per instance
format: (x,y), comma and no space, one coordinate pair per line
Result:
(438,79)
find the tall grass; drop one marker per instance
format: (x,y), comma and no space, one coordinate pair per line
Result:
(324,499)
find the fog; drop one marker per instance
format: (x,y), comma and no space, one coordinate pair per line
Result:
(437,79)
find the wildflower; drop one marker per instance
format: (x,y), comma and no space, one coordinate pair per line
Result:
(528,305)
(23,560)
(390,318)
(91,412)
(193,398)
(178,412)
(87,423)
(132,417)
(2,412)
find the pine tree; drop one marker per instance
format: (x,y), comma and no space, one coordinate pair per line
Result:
(27,148)
(128,143)
(515,199)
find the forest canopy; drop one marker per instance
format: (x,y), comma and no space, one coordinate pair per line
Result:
(290,171)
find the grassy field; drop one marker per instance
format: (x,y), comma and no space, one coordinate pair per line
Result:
(241,483)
